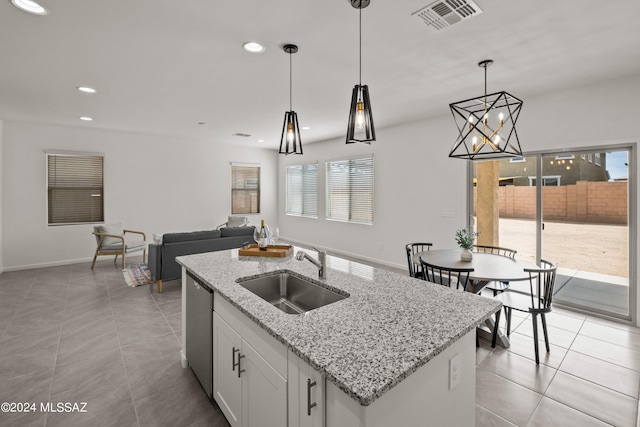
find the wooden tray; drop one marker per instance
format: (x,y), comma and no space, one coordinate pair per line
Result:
(278,251)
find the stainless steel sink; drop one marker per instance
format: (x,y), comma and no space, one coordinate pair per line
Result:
(290,292)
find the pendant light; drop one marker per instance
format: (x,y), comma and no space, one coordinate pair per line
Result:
(290,142)
(487,125)
(360,127)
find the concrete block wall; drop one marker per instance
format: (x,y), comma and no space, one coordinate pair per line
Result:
(590,202)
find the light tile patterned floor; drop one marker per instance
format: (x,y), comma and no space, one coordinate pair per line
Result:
(591,377)
(72,334)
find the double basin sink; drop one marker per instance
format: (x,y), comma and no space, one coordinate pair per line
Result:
(291,292)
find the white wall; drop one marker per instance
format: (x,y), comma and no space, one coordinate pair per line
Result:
(417,186)
(419,193)
(153,184)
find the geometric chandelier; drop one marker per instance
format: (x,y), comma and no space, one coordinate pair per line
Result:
(487,125)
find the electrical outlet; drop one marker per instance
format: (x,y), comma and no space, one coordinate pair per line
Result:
(454,371)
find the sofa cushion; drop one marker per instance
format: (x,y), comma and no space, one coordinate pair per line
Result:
(237,231)
(115,229)
(188,237)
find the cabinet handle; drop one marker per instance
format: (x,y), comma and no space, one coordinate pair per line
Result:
(233,359)
(240,370)
(309,404)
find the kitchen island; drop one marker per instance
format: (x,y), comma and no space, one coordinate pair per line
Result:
(397,350)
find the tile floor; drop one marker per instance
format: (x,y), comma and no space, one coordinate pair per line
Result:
(71,334)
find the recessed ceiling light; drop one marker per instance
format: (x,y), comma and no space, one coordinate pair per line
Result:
(86,119)
(253,47)
(29,7)
(261,140)
(86,89)
(306,128)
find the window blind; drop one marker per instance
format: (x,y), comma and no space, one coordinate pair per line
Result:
(350,190)
(302,190)
(245,189)
(75,189)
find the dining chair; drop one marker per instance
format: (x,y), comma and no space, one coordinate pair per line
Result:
(496,287)
(446,276)
(412,250)
(537,302)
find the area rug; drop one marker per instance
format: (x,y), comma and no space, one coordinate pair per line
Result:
(137,274)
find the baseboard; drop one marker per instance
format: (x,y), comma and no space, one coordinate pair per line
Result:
(47,264)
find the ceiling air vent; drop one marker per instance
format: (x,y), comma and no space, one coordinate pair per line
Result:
(443,14)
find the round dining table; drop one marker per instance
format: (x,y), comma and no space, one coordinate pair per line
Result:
(486,268)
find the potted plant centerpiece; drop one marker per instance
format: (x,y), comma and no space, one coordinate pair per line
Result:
(464,238)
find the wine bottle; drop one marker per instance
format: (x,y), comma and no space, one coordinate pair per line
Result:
(262,243)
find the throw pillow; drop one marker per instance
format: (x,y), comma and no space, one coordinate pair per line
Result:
(237,221)
(115,229)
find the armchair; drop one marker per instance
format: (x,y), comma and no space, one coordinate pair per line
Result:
(110,240)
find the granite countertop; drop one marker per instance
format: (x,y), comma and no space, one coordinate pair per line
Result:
(388,327)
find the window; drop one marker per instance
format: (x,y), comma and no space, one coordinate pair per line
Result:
(245,189)
(302,190)
(75,190)
(350,190)
(597,160)
(547,181)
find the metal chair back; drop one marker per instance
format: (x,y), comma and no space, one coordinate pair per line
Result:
(446,276)
(496,250)
(541,283)
(412,249)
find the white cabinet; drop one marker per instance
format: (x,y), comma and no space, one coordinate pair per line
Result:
(227,384)
(250,391)
(264,392)
(306,394)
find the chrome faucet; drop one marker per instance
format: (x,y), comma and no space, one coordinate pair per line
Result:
(321,263)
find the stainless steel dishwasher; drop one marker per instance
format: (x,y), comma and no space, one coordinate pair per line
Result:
(199,330)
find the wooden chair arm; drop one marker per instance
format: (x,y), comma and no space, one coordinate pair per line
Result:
(103,235)
(144,237)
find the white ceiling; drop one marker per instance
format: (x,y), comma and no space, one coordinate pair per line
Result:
(163,66)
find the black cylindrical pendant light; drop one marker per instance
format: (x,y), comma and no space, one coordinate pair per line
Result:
(290,142)
(360,127)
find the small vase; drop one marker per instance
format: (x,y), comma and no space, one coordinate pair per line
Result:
(466,255)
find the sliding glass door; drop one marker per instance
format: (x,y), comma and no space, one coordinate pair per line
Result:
(571,208)
(585,228)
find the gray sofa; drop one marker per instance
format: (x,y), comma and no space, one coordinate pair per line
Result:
(162,257)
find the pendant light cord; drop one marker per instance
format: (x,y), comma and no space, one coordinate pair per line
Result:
(360,45)
(485,88)
(290,83)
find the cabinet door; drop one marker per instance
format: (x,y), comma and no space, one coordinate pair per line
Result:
(227,384)
(306,396)
(264,392)
(311,396)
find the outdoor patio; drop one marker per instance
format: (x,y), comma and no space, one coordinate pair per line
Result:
(592,260)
